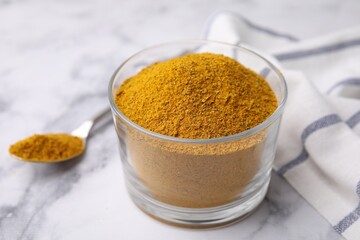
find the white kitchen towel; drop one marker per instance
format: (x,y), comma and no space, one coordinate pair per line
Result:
(319,142)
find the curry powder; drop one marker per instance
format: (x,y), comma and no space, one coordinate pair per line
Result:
(198,96)
(47,147)
(195,96)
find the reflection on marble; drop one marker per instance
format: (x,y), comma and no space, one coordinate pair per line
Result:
(55,62)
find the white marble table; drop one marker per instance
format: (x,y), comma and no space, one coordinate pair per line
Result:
(55,63)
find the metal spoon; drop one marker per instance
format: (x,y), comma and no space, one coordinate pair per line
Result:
(82,132)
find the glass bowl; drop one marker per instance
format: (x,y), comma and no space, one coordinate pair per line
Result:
(197,183)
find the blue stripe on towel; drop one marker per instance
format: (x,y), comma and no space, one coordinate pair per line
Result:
(235,50)
(319,50)
(269,31)
(352,217)
(354,120)
(293,163)
(319,124)
(265,72)
(313,127)
(349,81)
(249,24)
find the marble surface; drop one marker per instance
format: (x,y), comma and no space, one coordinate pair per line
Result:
(56,58)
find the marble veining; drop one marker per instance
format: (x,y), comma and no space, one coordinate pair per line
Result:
(55,64)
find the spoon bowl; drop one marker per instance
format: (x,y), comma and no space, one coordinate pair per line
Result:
(80,133)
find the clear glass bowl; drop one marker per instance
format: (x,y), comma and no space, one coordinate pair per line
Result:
(197,183)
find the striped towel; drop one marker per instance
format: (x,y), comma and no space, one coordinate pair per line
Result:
(319,145)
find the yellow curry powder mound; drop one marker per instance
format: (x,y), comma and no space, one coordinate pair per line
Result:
(196,96)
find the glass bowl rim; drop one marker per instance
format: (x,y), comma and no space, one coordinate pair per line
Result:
(274,116)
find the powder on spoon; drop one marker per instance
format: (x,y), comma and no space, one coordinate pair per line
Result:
(47,147)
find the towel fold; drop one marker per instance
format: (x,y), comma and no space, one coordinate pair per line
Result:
(318,149)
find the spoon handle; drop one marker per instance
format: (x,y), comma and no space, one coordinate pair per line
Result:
(84,129)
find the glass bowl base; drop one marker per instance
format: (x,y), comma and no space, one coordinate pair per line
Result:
(199,218)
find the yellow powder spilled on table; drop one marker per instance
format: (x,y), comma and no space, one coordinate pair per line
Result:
(196,96)
(47,147)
